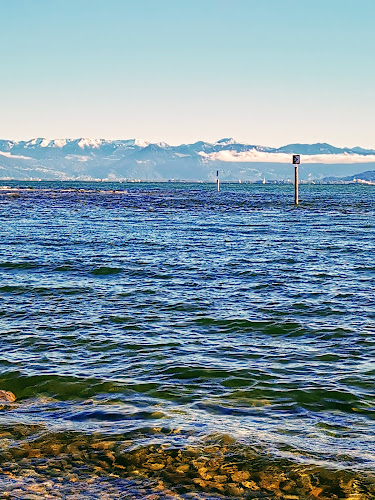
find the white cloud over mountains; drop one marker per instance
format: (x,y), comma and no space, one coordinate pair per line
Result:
(9,155)
(86,159)
(254,156)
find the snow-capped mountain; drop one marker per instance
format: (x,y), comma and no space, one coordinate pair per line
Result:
(88,159)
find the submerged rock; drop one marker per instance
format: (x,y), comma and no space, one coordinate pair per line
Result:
(7,396)
(214,471)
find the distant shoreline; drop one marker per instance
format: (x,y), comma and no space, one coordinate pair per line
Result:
(356,181)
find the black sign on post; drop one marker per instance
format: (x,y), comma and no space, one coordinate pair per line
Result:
(296,159)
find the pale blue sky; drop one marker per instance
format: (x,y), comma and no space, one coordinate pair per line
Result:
(262,71)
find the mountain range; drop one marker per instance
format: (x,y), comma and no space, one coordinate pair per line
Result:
(133,159)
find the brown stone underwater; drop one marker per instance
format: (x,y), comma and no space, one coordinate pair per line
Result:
(70,465)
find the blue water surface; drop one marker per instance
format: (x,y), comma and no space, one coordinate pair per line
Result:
(170,312)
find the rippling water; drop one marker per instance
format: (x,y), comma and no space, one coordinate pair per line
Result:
(169,314)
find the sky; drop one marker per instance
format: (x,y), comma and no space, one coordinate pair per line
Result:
(268,72)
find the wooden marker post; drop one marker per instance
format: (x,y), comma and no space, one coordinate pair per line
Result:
(217,181)
(296,161)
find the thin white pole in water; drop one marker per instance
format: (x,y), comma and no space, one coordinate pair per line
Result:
(296,161)
(217,181)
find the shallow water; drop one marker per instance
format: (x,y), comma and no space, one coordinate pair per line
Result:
(170,315)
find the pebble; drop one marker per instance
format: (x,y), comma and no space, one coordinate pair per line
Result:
(7,396)
(90,467)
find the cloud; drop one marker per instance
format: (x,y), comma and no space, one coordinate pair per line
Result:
(8,155)
(264,157)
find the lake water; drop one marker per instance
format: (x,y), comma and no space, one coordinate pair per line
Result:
(148,330)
